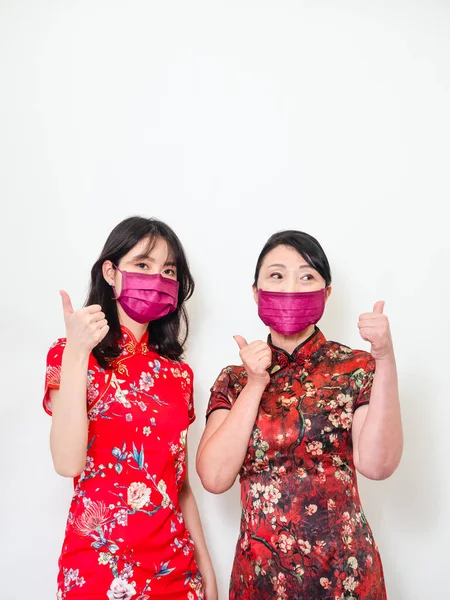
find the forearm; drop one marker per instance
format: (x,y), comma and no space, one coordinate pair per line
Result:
(69,432)
(221,456)
(191,516)
(380,442)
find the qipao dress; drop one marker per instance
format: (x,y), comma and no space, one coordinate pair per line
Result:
(125,537)
(303,532)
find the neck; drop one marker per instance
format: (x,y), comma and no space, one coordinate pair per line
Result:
(137,329)
(289,343)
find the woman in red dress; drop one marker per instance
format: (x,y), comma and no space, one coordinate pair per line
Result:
(121,403)
(296,421)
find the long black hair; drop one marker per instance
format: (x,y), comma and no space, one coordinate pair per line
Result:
(165,334)
(306,245)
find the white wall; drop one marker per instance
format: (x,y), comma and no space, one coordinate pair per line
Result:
(229,120)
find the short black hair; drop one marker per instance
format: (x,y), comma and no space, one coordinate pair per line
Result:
(305,244)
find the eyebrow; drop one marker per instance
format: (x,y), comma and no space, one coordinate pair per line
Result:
(169,263)
(279,265)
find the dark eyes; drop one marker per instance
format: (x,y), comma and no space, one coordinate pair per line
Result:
(276,275)
(168,272)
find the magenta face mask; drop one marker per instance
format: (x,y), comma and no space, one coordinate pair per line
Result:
(289,313)
(146,298)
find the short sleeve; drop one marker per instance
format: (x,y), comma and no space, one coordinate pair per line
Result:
(365,381)
(225,390)
(53,372)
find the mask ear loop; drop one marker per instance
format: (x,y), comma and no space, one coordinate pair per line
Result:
(111,283)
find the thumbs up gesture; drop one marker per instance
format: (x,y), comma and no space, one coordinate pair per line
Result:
(85,328)
(374,328)
(256,357)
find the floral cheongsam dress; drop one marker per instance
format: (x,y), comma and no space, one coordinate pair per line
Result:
(125,536)
(303,532)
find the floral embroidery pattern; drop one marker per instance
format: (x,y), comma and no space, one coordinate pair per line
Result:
(303,531)
(118,514)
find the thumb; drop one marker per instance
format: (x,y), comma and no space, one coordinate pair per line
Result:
(66,303)
(379,307)
(240,341)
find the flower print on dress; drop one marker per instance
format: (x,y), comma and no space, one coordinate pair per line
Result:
(285,542)
(121,590)
(124,506)
(138,495)
(98,520)
(146,382)
(94,517)
(261,448)
(155,366)
(162,488)
(92,388)
(179,453)
(53,376)
(315,448)
(71,579)
(178,373)
(121,517)
(303,532)
(128,398)
(120,396)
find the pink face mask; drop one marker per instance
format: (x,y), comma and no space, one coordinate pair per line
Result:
(146,298)
(289,313)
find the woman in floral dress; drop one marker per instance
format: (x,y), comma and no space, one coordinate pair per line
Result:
(121,403)
(296,421)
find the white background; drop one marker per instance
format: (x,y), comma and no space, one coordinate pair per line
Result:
(229,120)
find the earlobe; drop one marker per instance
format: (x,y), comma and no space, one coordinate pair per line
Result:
(108,272)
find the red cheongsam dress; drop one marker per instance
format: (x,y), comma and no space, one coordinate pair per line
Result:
(125,537)
(304,535)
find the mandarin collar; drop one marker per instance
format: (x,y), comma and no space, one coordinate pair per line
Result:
(304,353)
(131,345)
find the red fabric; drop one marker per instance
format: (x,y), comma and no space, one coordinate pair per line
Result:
(303,532)
(125,537)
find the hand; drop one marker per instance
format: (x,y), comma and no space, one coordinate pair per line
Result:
(257,358)
(85,328)
(374,328)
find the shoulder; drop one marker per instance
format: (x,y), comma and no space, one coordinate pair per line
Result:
(226,388)
(179,366)
(55,351)
(234,370)
(342,353)
(165,362)
(186,372)
(232,376)
(54,355)
(177,369)
(60,343)
(185,367)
